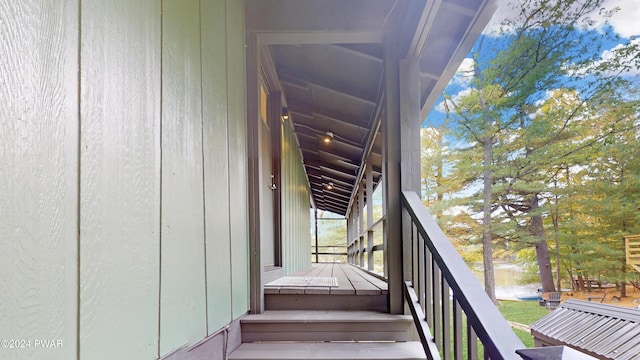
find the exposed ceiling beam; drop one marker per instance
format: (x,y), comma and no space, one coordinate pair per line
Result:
(329,37)
(297,106)
(427,17)
(328,179)
(323,165)
(358,53)
(340,147)
(460,8)
(318,134)
(287,77)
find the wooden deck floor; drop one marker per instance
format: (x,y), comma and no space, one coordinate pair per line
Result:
(351,281)
(356,290)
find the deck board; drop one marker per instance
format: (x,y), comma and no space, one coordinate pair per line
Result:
(357,290)
(361,285)
(351,280)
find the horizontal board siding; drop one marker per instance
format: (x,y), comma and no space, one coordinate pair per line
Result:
(38,176)
(120,187)
(216,163)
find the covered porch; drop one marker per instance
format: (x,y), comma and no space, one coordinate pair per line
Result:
(346,84)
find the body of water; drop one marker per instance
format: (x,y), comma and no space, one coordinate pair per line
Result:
(508,284)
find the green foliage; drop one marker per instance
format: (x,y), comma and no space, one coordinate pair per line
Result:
(560,128)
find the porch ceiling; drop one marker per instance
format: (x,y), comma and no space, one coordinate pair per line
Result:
(327,56)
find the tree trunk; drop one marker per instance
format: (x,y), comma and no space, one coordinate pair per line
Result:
(580,282)
(542,249)
(487,248)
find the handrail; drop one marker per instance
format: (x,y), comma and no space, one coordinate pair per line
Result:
(437,269)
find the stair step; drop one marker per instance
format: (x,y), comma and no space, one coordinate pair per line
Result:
(322,325)
(310,301)
(411,350)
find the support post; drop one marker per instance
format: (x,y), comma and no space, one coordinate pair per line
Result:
(391,173)
(410,120)
(361,229)
(315,212)
(275,122)
(256,299)
(369,204)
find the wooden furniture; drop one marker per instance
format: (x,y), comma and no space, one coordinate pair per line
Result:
(598,297)
(553,301)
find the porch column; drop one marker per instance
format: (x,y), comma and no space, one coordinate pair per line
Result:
(391,173)
(350,259)
(401,163)
(256,300)
(369,204)
(410,121)
(275,121)
(361,229)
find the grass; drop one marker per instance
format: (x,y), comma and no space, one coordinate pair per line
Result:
(523,312)
(525,337)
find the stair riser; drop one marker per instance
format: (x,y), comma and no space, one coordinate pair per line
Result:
(326,331)
(325,302)
(327,336)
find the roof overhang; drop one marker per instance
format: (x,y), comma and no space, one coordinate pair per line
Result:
(327,57)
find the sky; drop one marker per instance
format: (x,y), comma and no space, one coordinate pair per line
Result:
(625,22)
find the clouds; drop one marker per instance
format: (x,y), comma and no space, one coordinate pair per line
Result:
(465,73)
(623,59)
(624,22)
(628,58)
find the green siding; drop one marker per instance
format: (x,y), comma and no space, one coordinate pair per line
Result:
(38,175)
(216,164)
(123,134)
(182,260)
(120,163)
(238,160)
(296,223)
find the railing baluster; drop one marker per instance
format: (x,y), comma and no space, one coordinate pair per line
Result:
(445,272)
(472,342)
(446,320)
(428,287)
(421,270)
(437,304)
(415,248)
(457,330)
(385,240)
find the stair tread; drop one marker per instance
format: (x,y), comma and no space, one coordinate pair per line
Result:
(275,316)
(411,350)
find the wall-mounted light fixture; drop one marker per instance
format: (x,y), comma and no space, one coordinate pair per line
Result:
(328,137)
(330,186)
(285,114)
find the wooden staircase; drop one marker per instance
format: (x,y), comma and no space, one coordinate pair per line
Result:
(327,334)
(348,321)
